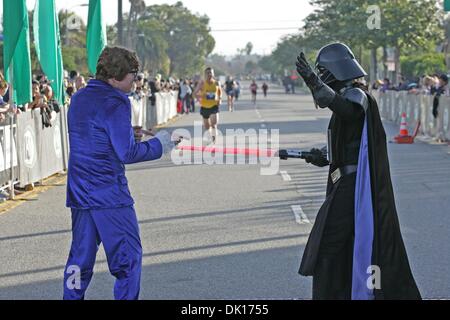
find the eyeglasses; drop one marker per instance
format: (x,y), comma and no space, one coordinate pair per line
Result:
(134,73)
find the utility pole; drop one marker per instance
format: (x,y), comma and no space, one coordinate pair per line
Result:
(120,22)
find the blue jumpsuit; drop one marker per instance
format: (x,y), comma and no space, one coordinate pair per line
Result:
(101,143)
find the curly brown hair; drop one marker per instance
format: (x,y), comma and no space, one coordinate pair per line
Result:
(116,63)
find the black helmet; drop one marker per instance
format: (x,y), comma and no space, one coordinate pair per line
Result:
(337,62)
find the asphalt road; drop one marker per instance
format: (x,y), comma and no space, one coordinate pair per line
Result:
(228,231)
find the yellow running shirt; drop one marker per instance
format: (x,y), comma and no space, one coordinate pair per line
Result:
(210,94)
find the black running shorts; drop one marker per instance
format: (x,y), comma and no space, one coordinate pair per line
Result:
(207,112)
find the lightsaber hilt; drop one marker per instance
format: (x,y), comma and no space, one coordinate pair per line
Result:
(285,154)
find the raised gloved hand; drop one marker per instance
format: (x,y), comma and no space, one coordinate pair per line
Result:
(322,93)
(317,158)
(305,70)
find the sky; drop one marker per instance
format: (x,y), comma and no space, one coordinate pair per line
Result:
(285,15)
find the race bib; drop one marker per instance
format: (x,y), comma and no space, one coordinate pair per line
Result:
(210,96)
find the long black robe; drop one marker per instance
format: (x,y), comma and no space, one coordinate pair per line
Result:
(329,251)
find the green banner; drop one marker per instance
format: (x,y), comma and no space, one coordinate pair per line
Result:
(96,34)
(48,45)
(446,5)
(16,49)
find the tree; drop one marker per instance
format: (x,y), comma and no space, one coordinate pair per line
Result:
(175,36)
(268,64)
(152,47)
(418,65)
(249,48)
(405,25)
(250,67)
(411,25)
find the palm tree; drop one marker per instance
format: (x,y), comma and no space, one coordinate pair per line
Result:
(137,6)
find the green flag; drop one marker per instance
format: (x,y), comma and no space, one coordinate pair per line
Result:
(48,46)
(96,34)
(16,49)
(446,5)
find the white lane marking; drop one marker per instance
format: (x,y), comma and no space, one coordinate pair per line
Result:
(300,216)
(305,118)
(285,175)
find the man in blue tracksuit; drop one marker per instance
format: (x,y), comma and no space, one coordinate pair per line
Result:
(102,141)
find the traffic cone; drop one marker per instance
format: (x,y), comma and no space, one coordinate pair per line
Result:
(403,126)
(404,137)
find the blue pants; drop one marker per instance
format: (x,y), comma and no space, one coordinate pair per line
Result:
(118,230)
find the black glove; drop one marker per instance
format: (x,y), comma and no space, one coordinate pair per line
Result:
(283,155)
(307,73)
(317,158)
(323,94)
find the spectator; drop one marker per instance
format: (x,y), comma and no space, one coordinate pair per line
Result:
(436,83)
(377,84)
(73,75)
(145,87)
(155,87)
(403,85)
(70,91)
(38,98)
(48,92)
(140,80)
(52,103)
(163,85)
(428,85)
(442,88)
(136,91)
(4,107)
(80,83)
(185,96)
(386,85)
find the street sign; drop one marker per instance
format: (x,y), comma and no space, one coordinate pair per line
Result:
(446,5)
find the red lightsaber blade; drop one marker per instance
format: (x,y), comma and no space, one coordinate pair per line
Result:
(230,151)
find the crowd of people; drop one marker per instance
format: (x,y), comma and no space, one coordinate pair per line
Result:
(427,85)
(435,85)
(43,99)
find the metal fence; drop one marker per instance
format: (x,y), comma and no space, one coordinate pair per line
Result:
(417,108)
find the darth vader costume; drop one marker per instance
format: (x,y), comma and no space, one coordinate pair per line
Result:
(355,249)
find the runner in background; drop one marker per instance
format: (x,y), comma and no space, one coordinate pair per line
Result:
(265,88)
(209,94)
(237,91)
(254,91)
(230,89)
